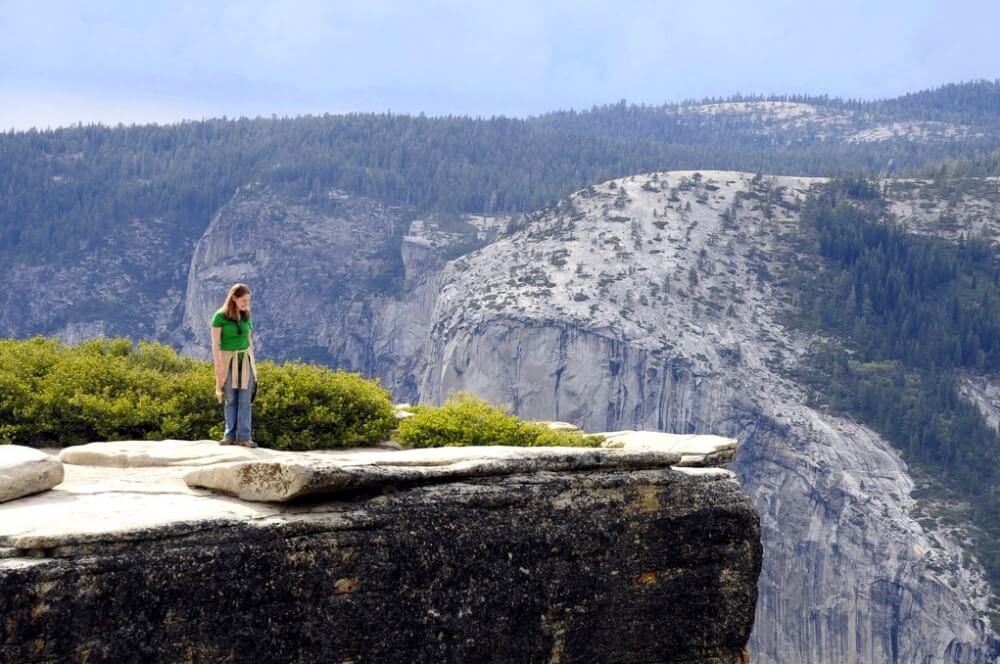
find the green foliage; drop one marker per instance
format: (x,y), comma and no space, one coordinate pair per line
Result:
(910,314)
(975,166)
(466,420)
(309,407)
(52,394)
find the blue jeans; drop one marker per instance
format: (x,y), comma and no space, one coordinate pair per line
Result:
(237,406)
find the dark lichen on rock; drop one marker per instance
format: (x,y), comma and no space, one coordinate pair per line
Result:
(599,565)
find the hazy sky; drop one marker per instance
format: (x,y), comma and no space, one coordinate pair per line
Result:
(146,60)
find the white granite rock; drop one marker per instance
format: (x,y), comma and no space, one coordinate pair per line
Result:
(115,504)
(559,426)
(695,450)
(25,470)
(142,453)
(287,477)
(121,504)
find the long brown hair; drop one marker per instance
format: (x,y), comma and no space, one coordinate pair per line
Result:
(231,310)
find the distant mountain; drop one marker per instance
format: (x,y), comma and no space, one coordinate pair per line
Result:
(965,115)
(63,191)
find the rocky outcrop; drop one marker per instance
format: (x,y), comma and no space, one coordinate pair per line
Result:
(130,283)
(602,564)
(24,471)
(984,394)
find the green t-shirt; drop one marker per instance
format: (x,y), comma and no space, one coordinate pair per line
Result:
(232,339)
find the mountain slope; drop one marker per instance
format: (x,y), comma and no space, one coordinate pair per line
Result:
(63,192)
(649,302)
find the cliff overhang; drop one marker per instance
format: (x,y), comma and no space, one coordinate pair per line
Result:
(588,555)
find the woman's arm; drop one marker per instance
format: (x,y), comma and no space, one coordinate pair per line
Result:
(220,375)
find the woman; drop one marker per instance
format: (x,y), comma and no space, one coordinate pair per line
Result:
(235,367)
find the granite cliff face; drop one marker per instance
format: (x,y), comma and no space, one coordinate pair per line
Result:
(340,280)
(651,302)
(621,560)
(304,260)
(131,285)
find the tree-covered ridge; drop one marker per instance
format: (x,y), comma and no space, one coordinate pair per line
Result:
(65,190)
(973,102)
(821,119)
(911,313)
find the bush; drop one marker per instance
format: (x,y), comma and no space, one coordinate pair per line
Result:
(466,420)
(53,395)
(306,407)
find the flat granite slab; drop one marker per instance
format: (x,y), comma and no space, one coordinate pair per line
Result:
(695,449)
(102,504)
(286,477)
(141,453)
(190,489)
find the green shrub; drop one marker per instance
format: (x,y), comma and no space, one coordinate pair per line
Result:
(465,419)
(52,394)
(307,407)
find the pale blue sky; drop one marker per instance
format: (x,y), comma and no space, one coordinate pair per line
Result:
(147,60)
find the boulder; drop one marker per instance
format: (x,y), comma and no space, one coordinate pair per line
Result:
(403,411)
(25,470)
